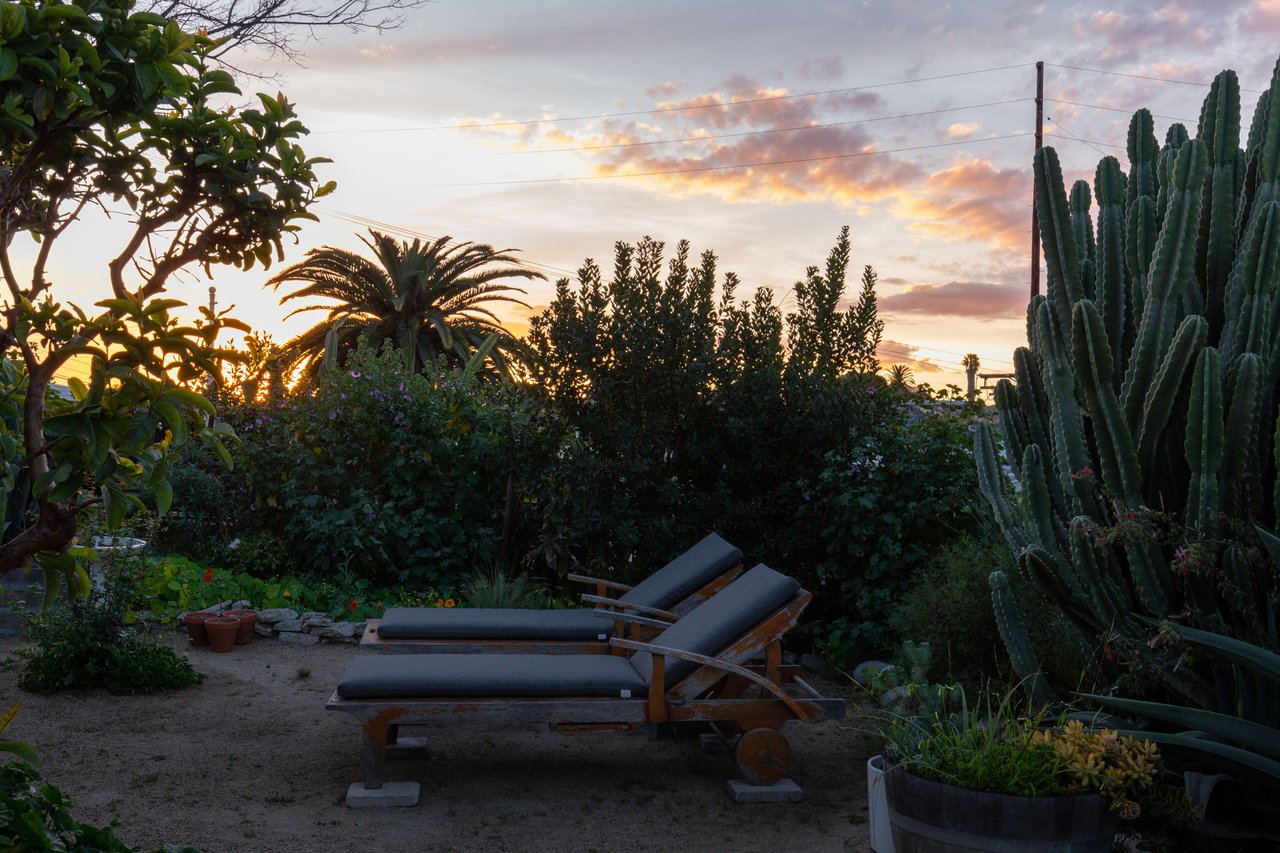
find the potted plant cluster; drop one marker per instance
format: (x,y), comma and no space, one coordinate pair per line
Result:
(990,777)
(220,631)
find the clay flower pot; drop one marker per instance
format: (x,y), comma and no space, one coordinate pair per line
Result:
(247,620)
(195,627)
(222,632)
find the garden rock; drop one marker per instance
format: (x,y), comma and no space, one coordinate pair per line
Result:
(242,604)
(289,625)
(277,614)
(262,630)
(340,631)
(316,620)
(298,638)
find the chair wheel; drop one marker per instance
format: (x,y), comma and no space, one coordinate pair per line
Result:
(763,757)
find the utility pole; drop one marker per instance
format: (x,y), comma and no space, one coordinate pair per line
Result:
(211,387)
(1035,217)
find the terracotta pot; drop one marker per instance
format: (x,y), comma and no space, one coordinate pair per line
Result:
(195,626)
(247,620)
(222,632)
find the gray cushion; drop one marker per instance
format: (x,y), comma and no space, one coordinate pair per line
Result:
(457,623)
(674,582)
(389,676)
(712,626)
(684,575)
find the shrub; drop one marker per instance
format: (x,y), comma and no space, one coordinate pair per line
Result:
(947,604)
(899,488)
(497,588)
(397,478)
(86,644)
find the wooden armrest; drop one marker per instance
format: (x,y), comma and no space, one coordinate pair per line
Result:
(655,612)
(620,616)
(716,663)
(598,582)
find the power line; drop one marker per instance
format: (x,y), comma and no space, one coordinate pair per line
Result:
(752,132)
(1076,138)
(690,108)
(1090,142)
(1144,77)
(732,166)
(1119,110)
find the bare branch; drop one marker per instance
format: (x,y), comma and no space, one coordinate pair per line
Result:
(280,27)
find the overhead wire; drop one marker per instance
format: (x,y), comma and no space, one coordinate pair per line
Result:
(695,169)
(1071,135)
(704,138)
(1117,110)
(686,108)
(1142,77)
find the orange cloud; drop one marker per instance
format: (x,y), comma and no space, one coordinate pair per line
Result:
(973,201)
(896,352)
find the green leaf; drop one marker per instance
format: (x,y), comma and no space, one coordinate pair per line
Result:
(1253,736)
(8,63)
(23,750)
(62,11)
(326,188)
(190,398)
(173,420)
(164,495)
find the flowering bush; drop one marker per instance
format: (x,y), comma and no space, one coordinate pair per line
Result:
(175,585)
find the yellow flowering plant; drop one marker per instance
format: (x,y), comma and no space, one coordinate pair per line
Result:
(1121,768)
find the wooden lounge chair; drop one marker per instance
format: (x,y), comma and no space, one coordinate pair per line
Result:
(660,599)
(695,670)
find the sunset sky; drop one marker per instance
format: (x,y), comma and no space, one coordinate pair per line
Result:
(933,176)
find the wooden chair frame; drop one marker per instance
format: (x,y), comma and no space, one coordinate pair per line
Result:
(611,609)
(715,692)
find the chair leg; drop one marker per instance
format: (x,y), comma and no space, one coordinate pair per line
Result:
(373,752)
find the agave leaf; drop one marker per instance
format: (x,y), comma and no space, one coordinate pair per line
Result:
(1253,736)
(1232,759)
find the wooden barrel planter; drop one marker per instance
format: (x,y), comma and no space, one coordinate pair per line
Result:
(934,817)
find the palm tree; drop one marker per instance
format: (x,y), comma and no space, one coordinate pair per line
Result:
(900,376)
(427,298)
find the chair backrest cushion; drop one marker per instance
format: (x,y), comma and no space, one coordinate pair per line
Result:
(712,626)
(686,574)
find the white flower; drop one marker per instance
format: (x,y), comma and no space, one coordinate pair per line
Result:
(233,544)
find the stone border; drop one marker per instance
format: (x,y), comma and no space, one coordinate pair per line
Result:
(290,626)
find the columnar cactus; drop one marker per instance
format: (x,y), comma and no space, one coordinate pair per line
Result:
(1148,386)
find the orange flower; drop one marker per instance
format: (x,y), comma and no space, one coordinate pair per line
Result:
(449,602)
(286,594)
(439,602)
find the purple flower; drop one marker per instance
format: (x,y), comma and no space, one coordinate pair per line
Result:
(355,374)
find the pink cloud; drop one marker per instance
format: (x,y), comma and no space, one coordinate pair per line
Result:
(959,299)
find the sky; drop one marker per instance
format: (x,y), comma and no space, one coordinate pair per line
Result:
(753,129)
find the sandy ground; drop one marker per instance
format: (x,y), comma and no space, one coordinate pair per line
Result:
(251,761)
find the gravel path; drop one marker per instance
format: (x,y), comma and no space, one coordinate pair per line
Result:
(251,761)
